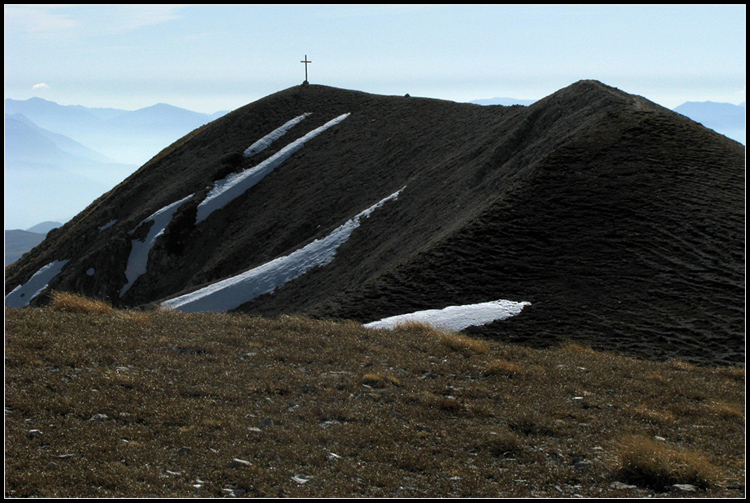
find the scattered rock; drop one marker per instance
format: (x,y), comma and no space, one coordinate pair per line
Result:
(182,451)
(301,479)
(622,485)
(332,457)
(99,417)
(35,433)
(66,456)
(266,423)
(239,462)
(688,488)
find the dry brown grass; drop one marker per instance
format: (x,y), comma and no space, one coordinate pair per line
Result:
(164,404)
(502,367)
(70,302)
(657,465)
(464,344)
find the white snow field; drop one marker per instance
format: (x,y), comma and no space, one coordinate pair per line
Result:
(455,318)
(232,292)
(21,295)
(271,137)
(138,259)
(234,185)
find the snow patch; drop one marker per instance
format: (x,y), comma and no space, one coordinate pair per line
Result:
(22,294)
(455,318)
(138,259)
(234,185)
(232,292)
(271,137)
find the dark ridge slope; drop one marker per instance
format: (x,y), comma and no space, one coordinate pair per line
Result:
(630,238)
(621,221)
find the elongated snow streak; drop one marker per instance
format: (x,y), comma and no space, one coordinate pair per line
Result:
(271,137)
(232,292)
(138,260)
(455,318)
(234,185)
(21,295)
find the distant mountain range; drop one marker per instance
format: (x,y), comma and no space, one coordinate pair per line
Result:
(58,159)
(18,242)
(130,137)
(724,118)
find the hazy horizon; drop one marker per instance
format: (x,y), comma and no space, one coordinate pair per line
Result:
(220,57)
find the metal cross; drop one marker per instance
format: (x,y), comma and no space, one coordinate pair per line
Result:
(305,61)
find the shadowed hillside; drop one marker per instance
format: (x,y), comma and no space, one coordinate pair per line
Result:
(620,221)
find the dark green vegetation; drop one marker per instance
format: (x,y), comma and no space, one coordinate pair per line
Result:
(117,403)
(622,222)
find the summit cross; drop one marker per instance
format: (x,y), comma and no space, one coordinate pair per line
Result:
(305,61)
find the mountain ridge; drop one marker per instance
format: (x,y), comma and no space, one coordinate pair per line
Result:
(480,188)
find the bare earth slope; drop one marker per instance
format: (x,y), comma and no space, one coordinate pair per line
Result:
(620,221)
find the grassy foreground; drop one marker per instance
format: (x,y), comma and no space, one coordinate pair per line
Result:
(110,403)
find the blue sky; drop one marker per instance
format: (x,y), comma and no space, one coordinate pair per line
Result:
(210,58)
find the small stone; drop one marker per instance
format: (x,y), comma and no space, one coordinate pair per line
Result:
(174,474)
(182,451)
(35,433)
(66,456)
(621,485)
(254,428)
(301,479)
(582,465)
(266,423)
(239,462)
(684,487)
(332,457)
(99,417)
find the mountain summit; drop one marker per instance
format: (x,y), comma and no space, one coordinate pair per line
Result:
(619,221)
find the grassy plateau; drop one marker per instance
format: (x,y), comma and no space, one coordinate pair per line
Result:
(122,403)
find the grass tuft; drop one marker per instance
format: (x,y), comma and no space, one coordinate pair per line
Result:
(464,344)
(73,303)
(502,367)
(659,466)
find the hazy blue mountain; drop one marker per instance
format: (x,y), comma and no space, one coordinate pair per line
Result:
(18,242)
(724,118)
(58,159)
(17,124)
(130,137)
(50,176)
(44,227)
(503,101)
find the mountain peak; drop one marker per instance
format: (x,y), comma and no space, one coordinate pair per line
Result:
(343,204)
